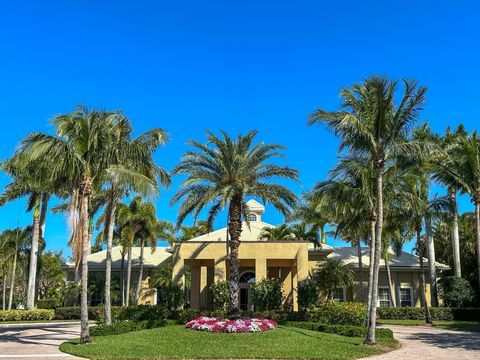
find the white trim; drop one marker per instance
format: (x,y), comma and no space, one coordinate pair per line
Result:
(344,293)
(388,293)
(412,300)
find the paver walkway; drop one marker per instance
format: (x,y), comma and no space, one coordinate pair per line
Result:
(36,341)
(425,343)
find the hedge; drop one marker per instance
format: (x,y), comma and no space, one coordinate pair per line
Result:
(344,330)
(48,304)
(26,315)
(119,313)
(338,313)
(125,327)
(438,313)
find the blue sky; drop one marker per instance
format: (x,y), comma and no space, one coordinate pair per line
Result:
(190,65)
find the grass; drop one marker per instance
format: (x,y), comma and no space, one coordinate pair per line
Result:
(177,342)
(449,325)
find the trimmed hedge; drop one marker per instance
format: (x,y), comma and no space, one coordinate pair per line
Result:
(338,313)
(344,330)
(26,315)
(119,313)
(438,313)
(126,327)
(73,313)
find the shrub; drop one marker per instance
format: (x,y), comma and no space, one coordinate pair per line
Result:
(344,330)
(174,296)
(332,312)
(144,312)
(267,294)
(26,315)
(457,292)
(48,304)
(220,295)
(438,313)
(307,294)
(73,313)
(125,327)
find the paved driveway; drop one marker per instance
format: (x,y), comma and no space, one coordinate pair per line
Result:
(36,341)
(427,343)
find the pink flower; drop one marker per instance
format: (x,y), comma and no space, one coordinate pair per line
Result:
(231,326)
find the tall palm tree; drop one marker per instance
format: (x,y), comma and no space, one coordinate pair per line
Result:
(223,172)
(371,122)
(30,180)
(445,172)
(199,228)
(465,169)
(132,159)
(420,249)
(80,153)
(305,232)
(276,233)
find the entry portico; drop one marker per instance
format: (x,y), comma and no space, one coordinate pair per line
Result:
(207,258)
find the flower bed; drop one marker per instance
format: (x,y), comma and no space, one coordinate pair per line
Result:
(231,326)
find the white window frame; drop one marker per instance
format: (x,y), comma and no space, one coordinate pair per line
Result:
(388,292)
(252,215)
(344,290)
(404,287)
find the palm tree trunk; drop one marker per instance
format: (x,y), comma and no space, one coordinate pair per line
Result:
(457,268)
(372,323)
(235,230)
(421,278)
(389,278)
(108,264)
(360,268)
(370,265)
(32,272)
(322,235)
(43,214)
(12,276)
(431,260)
(122,277)
(4,288)
(129,276)
(477,231)
(84,222)
(140,272)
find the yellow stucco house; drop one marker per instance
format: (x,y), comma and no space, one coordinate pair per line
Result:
(206,258)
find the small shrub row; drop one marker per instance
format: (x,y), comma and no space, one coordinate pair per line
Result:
(73,313)
(48,304)
(119,313)
(331,312)
(126,327)
(438,313)
(26,315)
(344,330)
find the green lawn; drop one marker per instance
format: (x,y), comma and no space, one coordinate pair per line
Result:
(449,325)
(179,342)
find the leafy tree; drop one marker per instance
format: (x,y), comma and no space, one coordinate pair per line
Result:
(51,276)
(222,173)
(220,295)
(371,123)
(307,294)
(457,292)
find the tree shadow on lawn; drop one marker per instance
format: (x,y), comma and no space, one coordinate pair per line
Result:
(318,335)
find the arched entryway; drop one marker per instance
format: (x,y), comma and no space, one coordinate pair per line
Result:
(246,281)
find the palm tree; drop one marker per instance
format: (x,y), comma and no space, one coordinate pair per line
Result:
(445,172)
(133,160)
(465,169)
(305,232)
(370,122)
(276,233)
(30,180)
(198,229)
(223,172)
(332,274)
(81,155)
(420,249)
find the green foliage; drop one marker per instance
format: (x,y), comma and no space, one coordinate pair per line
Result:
(51,275)
(438,313)
(333,273)
(48,303)
(220,295)
(457,292)
(344,330)
(332,312)
(145,312)
(267,294)
(126,327)
(172,295)
(73,313)
(26,315)
(307,294)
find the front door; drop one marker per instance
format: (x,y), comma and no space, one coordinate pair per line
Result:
(245,297)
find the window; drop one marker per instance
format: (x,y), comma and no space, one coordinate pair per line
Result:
(383,296)
(252,217)
(247,278)
(406,296)
(339,294)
